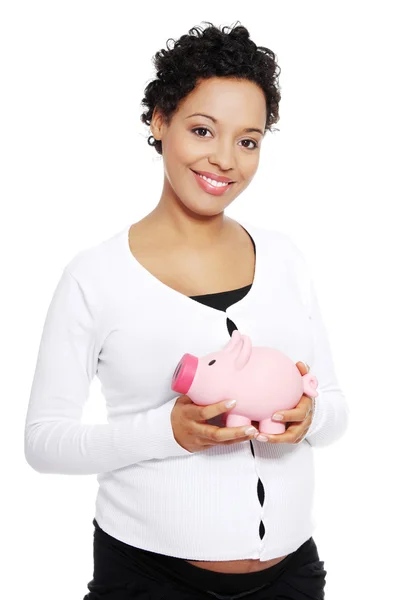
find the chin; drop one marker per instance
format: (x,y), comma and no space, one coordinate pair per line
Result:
(205,211)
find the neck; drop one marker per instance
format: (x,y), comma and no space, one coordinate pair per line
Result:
(188,227)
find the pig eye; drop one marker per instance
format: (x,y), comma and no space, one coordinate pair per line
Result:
(212,362)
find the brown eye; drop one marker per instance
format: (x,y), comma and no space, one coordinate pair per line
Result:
(200,129)
(205,129)
(253,142)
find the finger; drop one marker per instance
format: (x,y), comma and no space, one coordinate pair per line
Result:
(293,434)
(289,416)
(222,434)
(218,435)
(297,414)
(302,367)
(204,413)
(227,442)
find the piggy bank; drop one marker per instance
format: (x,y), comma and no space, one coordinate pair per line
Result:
(262,380)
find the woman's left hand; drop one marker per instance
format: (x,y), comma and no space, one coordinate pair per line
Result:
(301,416)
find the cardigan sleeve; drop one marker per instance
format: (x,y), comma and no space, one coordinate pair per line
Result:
(331,414)
(55,440)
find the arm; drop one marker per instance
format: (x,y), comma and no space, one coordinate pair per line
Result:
(331,414)
(55,441)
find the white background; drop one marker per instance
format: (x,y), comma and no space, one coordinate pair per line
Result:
(76,168)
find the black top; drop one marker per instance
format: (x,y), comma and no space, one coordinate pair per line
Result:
(221,300)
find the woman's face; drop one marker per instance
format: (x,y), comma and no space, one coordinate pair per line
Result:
(197,143)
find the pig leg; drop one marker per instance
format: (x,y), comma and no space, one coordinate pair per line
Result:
(237,420)
(269,426)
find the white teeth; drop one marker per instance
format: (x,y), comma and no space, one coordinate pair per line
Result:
(213,182)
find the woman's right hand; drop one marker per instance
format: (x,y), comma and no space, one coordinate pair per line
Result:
(193,433)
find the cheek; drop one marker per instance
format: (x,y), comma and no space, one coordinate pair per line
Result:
(248,173)
(187,150)
(180,150)
(254,167)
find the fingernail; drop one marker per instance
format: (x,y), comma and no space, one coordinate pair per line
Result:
(230,403)
(250,430)
(262,438)
(278,417)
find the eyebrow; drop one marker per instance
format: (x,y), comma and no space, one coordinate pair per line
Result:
(247,130)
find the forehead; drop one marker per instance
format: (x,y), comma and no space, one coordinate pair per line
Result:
(225,97)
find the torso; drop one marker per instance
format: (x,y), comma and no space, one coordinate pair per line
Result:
(220,267)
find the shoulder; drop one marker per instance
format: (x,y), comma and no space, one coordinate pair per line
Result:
(94,261)
(276,239)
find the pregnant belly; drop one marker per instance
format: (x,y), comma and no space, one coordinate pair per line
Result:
(237,566)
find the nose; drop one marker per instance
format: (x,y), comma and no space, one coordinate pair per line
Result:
(184,373)
(223,157)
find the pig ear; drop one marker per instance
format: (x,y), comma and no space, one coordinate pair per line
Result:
(244,353)
(236,339)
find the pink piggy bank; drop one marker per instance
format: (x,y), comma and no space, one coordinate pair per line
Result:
(262,380)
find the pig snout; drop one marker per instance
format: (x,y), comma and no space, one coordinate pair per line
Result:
(184,373)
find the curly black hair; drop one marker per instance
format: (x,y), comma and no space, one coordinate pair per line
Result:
(205,53)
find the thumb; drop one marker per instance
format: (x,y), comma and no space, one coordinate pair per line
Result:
(302,367)
(184,399)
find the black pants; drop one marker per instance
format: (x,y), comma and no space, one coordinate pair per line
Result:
(123,572)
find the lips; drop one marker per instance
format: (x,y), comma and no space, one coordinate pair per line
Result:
(218,178)
(208,187)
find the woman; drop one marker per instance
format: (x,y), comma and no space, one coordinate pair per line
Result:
(187,507)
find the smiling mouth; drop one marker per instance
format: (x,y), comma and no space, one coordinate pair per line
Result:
(203,177)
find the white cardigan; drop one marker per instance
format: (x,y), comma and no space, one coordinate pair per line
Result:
(109,317)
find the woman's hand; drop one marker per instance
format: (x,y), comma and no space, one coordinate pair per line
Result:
(301,415)
(192,432)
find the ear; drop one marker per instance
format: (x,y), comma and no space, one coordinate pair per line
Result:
(156,125)
(244,353)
